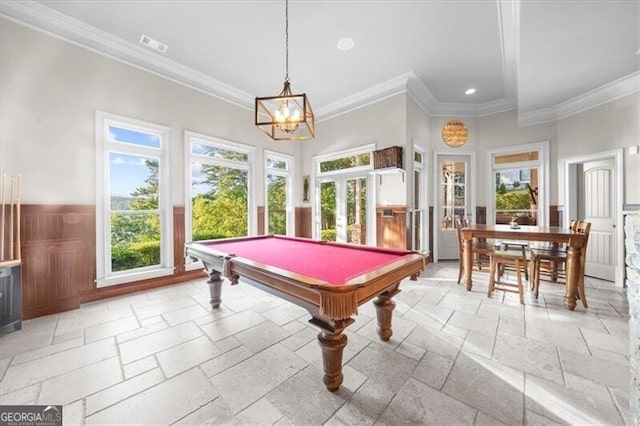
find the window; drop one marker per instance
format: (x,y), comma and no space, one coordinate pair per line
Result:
(346,162)
(279,199)
(133,206)
(218,188)
(519,184)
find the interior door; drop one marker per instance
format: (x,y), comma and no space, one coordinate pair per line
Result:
(452,201)
(598,201)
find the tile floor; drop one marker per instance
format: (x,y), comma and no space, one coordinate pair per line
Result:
(456,357)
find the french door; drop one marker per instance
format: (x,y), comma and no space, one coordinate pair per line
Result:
(453,200)
(343,210)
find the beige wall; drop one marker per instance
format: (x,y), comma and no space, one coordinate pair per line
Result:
(50,92)
(382,123)
(611,126)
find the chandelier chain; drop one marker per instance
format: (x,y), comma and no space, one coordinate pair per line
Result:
(286,36)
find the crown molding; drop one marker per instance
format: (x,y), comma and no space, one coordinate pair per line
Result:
(509,27)
(44,19)
(384,90)
(58,25)
(609,92)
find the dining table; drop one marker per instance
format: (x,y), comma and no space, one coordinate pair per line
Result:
(575,244)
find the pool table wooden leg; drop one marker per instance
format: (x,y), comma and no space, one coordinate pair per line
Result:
(332,345)
(215,288)
(384,309)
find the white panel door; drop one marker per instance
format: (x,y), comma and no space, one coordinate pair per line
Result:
(599,208)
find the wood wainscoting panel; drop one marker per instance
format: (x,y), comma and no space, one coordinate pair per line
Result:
(303,222)
(178,239)
(260,220)
(481,215)
(59,257)
(555,216)
(391,226)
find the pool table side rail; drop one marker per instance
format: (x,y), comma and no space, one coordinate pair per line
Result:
(328,301)
(202,251)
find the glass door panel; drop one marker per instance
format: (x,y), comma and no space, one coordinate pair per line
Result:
(328,216)
(356,210)
(453,201)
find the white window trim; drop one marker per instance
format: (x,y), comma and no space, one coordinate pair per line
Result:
(543,181)
(288,175)
(252,226)
(104,276)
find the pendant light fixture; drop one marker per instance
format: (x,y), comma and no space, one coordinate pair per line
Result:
(286,116)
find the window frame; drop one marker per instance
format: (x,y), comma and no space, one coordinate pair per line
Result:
(542,164)
(288,175)
(104,146)
(318,176)
(249,166)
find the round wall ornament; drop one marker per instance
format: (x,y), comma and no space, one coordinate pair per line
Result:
(455,133)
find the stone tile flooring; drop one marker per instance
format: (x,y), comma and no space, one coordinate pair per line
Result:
(456,357)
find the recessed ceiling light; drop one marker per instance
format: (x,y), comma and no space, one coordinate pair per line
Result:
(470,91)
(152,43)
(345,43)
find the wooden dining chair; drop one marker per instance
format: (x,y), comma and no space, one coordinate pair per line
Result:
(499,259)
(556,259)
(480,250)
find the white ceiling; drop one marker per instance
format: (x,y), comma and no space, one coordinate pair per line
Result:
(545,58)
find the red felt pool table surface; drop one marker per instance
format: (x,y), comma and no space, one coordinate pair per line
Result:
(332,263)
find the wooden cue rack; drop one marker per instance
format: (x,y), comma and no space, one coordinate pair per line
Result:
(10,190)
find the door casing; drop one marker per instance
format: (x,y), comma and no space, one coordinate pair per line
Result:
(570,199)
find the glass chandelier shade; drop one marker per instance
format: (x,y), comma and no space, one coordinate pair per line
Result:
(286,116)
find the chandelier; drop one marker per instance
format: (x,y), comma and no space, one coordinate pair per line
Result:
(286,116)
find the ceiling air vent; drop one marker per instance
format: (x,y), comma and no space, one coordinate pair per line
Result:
(154,44)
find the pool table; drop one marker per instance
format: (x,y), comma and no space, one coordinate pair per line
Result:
(330,280)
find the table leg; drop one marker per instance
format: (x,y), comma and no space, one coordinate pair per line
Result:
(573,276)
(384,309)
(468,263)
(215,288)
(332,345)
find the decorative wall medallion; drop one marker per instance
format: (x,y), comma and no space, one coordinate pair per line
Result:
(454,133)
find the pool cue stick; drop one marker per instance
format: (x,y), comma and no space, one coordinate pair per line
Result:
(18,254)
(11,222)
(2,191)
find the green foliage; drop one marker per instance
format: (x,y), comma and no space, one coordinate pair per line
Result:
(328,235)
(277,204)
(516,184)
(200,236)
(501,189)
(328,205)
(514,200)
(225,216)
(135,255)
